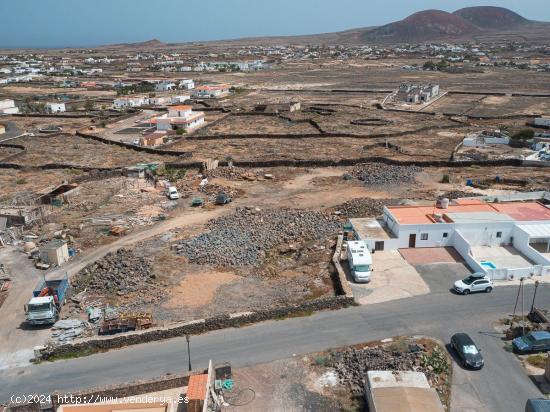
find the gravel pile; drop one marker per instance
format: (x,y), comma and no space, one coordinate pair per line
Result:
(120,272)
(212,191)
(362,207)
(383,174)
(243,239)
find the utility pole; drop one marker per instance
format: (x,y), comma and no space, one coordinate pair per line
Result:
(515,307)
(534,296)
(188,339)
(522,308)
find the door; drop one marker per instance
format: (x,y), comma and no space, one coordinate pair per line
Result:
(379,246)
(412,240)
(479,285)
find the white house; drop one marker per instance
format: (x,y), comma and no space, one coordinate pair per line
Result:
(179,117)
(179,99)
(212,91)
(505,239)
(411,93)
(486,138)
(543,121)
(8,107)
(56,107)
(186,84)
(165,86)
(124,102)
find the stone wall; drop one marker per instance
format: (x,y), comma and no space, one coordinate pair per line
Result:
(196,327)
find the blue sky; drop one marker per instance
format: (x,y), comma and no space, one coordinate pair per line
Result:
(60,23)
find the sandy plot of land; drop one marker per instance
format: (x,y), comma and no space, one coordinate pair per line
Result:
(198,289)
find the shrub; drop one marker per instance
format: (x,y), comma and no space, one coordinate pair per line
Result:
(446,179)
(437,360)
(524,134)
(21,181)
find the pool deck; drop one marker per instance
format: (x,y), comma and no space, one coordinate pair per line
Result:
(502,256)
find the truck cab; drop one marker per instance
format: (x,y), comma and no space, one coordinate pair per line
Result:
(42,311)
(360,261)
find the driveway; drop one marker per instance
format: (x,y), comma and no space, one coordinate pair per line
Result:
(441,276)
(393,278)
(16,341)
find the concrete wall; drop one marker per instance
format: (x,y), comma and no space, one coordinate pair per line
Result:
(463,247)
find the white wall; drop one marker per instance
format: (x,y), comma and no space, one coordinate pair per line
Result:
(463,247)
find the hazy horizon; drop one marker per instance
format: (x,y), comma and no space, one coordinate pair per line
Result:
(59,23)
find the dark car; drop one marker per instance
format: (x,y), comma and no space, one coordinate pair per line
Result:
(467,351)
(538,341)
(222,199)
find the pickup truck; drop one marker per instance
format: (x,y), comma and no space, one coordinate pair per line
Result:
(48,297)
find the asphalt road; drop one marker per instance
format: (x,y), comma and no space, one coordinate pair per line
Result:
(501,386)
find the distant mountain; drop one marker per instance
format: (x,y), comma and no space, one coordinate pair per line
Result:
(488,17)
(423,26)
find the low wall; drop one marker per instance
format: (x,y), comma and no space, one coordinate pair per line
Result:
(149,150)
(342,281)
(101,344)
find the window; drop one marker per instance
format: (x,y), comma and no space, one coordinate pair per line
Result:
(499,235)
(424,236)
(445,235)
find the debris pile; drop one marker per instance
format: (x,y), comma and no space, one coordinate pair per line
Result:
(362,207)
(120,272)
(243,239)
(233,173)
(212,191)
(383,174)
(66,330)
(352,364)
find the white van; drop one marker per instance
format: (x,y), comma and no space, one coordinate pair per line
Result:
(360,261)
(172,193)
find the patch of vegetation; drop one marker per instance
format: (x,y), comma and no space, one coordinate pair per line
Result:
(21,181)
(446,179)
(74,354)
(538,360)
(524,134)
(436,359)
(181,132)
(321,361)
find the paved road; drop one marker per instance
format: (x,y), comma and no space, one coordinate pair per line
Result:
(501,386)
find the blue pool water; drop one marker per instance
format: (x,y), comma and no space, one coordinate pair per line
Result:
(488,265)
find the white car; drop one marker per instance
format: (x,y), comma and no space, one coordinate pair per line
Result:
(172,193)
(478,282)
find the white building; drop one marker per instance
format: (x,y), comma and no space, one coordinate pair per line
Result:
(165,86)
(186,84)
(55,107)
(180,117)
(505,239)
(543,121)
(125,102)
(411,93)
(486,138)
(8,107)
(179,99)
(213,91)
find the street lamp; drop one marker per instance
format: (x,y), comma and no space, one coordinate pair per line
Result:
(188,339)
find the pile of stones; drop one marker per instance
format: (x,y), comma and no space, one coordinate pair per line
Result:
(362,207)
(232,173)
(244,238)
(383,174)
(119,272)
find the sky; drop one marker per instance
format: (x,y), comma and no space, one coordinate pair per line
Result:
(84,23)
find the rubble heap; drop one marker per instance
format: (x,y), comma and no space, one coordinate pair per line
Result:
(353,364)
(383,174)
(362,207)
(120,272)
(212,191)
(233,173)
(243,239)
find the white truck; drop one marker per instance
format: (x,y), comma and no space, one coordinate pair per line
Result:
(48,297)
(360,261)
(172,193)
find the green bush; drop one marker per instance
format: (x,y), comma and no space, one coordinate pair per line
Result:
(437,360)
(446,179)
(524,134)
(21,181)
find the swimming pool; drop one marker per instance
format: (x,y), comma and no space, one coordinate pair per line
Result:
(487,264)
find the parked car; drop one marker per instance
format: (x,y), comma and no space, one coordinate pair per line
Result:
(467,351)
(537,341)
(537,405)
(222,199)
(477,282)
(172,193)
